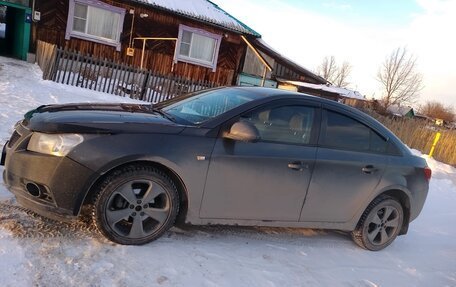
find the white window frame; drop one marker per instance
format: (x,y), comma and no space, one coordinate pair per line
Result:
(195,61)
(100,5)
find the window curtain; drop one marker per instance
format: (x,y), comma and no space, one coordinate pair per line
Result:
(103,23)
(203,48)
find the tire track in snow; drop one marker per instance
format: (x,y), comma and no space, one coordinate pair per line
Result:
(23,223)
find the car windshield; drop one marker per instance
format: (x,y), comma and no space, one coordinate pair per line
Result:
(207,105)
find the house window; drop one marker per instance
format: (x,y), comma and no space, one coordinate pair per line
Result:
(95,21)
(197,47)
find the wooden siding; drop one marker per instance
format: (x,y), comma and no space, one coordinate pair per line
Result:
(253,66)
(159,54)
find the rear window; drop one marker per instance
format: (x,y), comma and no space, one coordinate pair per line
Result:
(343,132)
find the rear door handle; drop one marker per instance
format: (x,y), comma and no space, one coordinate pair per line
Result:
(297,165)
(369,169)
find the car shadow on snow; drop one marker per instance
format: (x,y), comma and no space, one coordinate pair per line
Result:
(297,236)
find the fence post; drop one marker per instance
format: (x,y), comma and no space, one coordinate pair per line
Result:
(143,85)
(436,140)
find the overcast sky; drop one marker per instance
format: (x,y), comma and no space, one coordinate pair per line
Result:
(362,32)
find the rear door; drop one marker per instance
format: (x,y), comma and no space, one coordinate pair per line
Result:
(268,179)
(349,165)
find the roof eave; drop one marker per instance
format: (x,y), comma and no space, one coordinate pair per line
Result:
(251,33)
(288,62)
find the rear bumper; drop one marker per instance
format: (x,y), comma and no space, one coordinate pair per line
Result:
(48,185)
(418,200)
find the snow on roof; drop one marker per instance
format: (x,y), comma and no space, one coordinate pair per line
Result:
(203,10)
(332,89)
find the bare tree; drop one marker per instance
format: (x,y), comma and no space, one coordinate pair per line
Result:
(399,78)
(334,74)
(327,68)
(437,110)
(343,73)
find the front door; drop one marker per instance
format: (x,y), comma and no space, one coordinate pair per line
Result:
(268,179)
(14,30)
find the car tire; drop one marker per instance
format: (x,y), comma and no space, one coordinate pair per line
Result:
(135,205)
(380,224)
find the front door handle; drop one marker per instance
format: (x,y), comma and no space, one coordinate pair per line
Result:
(297,165)
(369,169)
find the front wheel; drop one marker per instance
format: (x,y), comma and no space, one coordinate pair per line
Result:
(135,205)
(380,224)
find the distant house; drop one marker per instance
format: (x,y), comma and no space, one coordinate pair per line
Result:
(342,95)
(401,111)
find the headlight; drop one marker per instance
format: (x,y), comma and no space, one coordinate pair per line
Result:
(54,144)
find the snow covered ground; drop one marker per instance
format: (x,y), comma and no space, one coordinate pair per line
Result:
(38,252)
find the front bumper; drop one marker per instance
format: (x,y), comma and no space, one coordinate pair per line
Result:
(59,183)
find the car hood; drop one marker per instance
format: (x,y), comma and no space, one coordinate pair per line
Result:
(99,118)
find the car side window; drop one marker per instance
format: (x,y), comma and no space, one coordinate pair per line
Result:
(285,124)
(344,132)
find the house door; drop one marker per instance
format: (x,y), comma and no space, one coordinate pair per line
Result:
(14,30)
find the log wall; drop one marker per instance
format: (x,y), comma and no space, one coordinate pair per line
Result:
(159,54)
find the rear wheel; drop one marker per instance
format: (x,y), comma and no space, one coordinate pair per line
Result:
(380,224)
(135,205)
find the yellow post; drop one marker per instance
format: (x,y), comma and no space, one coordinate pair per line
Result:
(264,77)
(142,54)
(436,139)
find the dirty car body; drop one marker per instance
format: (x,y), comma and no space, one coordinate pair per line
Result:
(236,156)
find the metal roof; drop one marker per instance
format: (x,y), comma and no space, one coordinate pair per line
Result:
(202,10)
(347,93)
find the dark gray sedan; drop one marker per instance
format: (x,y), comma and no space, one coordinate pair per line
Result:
(244,156)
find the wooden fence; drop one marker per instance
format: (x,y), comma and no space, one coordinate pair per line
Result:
(45,57)
(75,69)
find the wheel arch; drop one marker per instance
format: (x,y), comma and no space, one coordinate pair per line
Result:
(88,195)
(402,196)
(404,200)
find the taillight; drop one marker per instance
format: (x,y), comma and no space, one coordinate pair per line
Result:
(427,173)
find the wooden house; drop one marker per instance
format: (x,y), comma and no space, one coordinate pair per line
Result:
(106,45)
(193,39)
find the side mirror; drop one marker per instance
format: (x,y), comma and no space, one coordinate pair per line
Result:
(243,131)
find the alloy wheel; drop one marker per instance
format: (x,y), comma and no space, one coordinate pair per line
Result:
(383,225)
(137,208)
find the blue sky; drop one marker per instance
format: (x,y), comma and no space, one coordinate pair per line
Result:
(363,33)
